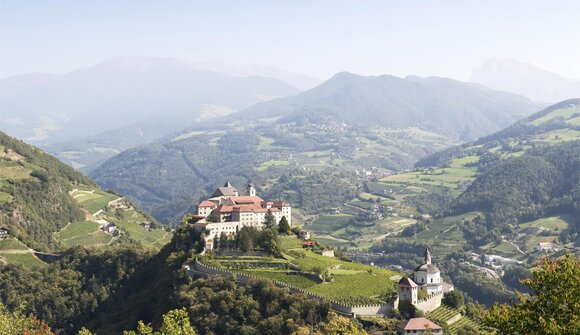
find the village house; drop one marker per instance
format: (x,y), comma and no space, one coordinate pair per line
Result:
(226,211)
(328,253)
(546,246)
(3,232)
(304,234)
(418,326)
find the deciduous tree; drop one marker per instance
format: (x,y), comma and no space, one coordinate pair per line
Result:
(553,306)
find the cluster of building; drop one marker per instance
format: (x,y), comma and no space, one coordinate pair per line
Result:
(226,211)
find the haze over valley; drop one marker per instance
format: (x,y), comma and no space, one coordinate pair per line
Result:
(322,168)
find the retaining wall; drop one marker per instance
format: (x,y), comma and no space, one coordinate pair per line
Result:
(242,278)
(431,303)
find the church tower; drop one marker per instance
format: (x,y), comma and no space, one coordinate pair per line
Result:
(427,256)
(251,190)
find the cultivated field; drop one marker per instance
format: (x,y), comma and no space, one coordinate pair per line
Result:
(350,283)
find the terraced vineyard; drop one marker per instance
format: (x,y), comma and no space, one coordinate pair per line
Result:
(351,283)
(126,218)
(446,313)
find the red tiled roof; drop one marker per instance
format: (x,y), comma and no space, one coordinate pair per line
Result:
(225,209)
(418,324)
(246,200)
(206,203)
(309,243)
(281,204)
(245,208)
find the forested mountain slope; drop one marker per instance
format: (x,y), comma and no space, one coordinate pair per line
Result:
(542,182)
(48,206)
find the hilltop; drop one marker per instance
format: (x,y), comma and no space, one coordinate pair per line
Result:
(48,206)
(440,105)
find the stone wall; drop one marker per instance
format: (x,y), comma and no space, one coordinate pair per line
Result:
(200,269)
(429,304)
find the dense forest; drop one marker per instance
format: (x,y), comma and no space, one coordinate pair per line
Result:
(110,291)
(545,181)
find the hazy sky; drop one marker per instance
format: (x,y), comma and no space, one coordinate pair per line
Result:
(316,38)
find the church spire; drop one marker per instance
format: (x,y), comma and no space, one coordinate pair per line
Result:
(427,256)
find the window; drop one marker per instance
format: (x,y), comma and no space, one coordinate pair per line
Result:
(431,279)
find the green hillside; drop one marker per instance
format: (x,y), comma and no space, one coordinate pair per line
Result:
(47,206)
(554,124)
(501,195)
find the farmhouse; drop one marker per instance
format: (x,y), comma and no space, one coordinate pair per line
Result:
(546,246)
(226,211)
(418,326)
(3,231)
(427,278)
(304,234)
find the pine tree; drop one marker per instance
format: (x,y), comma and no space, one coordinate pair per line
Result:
(270,219)
(283,226)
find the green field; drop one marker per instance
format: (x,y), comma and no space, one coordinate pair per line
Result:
(351,283)
(272,163)
(553,222)
(565,113)
(9,243)
(93,200)
(78,228)
(130,222)
(330,222)
(83,233)
(25,259)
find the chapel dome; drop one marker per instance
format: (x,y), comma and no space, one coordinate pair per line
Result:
(429,268)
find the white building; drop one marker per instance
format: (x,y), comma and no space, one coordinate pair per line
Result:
(426,277)
(227,212)
(546,246)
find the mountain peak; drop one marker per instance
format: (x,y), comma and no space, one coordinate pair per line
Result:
(514,76)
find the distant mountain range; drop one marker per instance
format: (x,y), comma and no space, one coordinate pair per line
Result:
(167,93)
(526,79)
(455,109)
